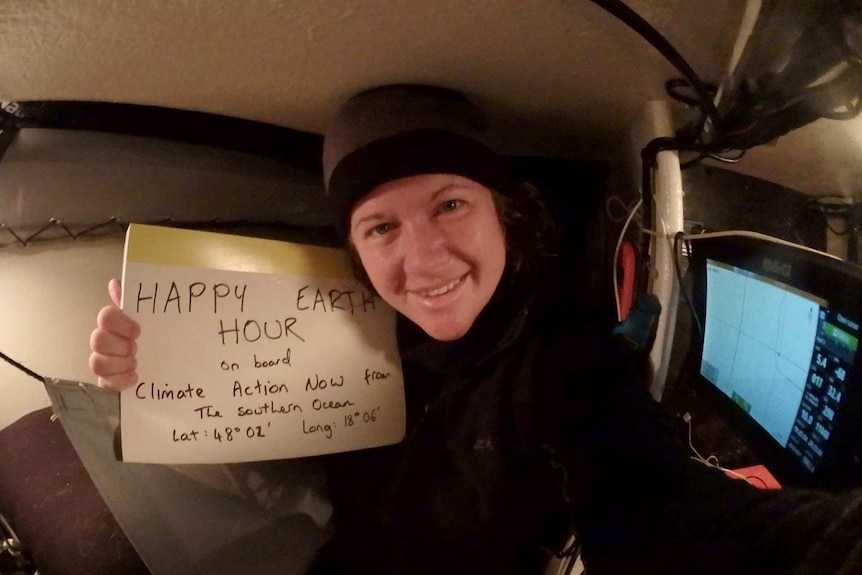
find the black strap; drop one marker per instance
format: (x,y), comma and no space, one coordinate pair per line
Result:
(301,149)
(13,559)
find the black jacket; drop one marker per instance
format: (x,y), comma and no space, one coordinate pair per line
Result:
(536,424)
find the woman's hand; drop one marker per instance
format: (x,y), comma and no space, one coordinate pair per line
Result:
(113,344)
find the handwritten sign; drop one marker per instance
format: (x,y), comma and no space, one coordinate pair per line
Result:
(253,349)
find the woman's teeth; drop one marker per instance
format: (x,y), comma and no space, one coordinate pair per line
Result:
(443,289)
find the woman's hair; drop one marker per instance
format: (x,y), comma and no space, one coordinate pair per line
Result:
(531,234)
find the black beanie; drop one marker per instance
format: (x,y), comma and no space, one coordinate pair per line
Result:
(398,131)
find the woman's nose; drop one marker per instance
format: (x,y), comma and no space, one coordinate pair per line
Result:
(425,246)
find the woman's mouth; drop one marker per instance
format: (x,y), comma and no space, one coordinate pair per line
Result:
(443,289)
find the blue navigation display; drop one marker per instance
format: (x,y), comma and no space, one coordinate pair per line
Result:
(780,354)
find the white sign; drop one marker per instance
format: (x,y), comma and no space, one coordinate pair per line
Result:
(253,349)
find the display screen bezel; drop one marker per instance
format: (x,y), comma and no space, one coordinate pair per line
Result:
(836,283)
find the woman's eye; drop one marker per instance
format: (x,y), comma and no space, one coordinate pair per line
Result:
(381,229)
(450,205)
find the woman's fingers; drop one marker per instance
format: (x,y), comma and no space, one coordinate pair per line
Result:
(107,343)
(115,372)
(118,382)
(113,358)
(110,365)
(115,290)
(113,320)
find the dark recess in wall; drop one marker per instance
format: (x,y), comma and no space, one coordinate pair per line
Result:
(719,199)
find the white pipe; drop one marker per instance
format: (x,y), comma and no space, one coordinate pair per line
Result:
(668,209)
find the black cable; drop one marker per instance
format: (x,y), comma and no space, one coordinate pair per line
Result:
(762,482)
(836,232)
(676,267)
(672,88)
(660,43)
(693,162)
(7,136)
(321,235)
(95,227)
(572,560)
(571,550)
(14,363)
(684,165)
(727,159)
(693,131)
(839,208)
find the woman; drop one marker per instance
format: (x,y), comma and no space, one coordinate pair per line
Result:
(526,423)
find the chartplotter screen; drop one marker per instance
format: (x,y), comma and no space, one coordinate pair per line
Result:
(780,354)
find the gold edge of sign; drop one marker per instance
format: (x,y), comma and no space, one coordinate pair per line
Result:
(161,245)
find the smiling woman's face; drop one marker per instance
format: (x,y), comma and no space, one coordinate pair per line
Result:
(433,248)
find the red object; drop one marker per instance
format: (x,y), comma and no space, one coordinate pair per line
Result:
(627,263)
(758,476)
